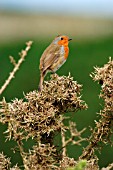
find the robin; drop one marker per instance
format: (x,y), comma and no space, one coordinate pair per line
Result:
(53,57)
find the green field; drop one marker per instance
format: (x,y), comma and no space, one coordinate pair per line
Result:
(83,56)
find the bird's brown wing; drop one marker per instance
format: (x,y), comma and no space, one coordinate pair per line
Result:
(50,55)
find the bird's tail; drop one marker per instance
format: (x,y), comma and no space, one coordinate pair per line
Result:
(40,87)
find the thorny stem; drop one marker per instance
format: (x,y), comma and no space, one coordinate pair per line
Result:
(110,166)
(16,66)
(22,154)
(63,143)
(74,133)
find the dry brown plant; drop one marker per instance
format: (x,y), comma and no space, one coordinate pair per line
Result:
(41,116)
(103,130)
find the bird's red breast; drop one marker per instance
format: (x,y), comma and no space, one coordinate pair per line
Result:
(64,42)
(66,49)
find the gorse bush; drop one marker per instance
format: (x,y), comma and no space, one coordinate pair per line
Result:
(41,116)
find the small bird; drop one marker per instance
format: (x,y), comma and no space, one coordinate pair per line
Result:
(53,57)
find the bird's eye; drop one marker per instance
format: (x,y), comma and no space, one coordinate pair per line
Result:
(62,38)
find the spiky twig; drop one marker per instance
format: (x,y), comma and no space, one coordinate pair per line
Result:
(16,66)
(109,167)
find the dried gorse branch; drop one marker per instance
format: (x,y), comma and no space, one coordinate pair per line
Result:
(103,130)
(23,54)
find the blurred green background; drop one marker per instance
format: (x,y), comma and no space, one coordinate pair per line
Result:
(92,44)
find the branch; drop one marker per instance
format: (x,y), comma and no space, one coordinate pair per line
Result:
(63,144)
(16,66)
(74,133)
(109,167)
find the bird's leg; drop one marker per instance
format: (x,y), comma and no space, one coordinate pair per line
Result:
(40,87)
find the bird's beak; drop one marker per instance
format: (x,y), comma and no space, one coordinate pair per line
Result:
(69,39)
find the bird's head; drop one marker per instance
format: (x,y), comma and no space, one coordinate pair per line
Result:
(62,40)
